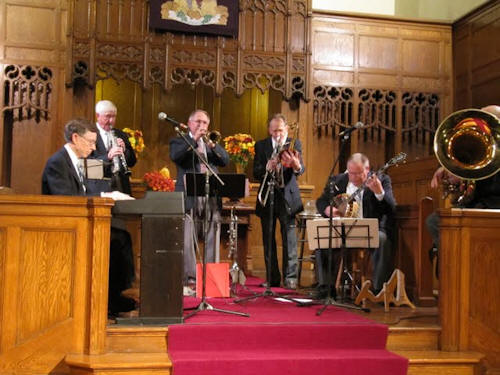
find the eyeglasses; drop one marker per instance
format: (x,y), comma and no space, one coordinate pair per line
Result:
(90,142)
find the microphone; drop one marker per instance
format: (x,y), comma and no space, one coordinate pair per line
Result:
(358,125)
(163,116)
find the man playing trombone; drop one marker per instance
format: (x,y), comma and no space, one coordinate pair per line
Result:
(187,161)
(275,159)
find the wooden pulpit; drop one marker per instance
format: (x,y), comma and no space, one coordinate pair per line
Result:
(161,259)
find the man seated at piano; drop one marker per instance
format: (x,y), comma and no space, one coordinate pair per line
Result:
(64,175)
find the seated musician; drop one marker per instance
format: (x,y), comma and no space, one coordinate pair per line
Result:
(64,175)
(486,194)
(374,201)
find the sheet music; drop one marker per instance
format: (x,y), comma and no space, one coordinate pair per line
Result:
(360,233)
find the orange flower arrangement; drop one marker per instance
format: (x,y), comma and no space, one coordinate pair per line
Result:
(240,148)
(159,180)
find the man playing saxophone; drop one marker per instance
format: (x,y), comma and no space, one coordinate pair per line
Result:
(274,160)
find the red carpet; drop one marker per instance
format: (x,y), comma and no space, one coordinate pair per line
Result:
(279,338)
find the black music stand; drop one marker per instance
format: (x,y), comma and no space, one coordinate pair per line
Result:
(341,233)
(206,185)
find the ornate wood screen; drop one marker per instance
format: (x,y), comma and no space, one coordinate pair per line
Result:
(111,39)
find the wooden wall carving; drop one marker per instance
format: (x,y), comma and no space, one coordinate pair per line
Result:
(476,58)
(112,40)
(26,91)
(393,76)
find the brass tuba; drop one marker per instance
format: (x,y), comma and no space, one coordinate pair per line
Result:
(466,145)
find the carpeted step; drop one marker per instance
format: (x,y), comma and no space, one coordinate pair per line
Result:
(278,336)
(290,362)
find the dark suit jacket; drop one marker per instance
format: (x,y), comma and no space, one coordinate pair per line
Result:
(120,182)
(383,210)
(60,177)
(486,193)
(291,192)
(186,161)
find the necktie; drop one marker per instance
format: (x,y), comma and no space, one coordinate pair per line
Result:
(109,141)
(201,150)
(81,173)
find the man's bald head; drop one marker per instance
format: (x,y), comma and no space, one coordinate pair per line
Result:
(493,109)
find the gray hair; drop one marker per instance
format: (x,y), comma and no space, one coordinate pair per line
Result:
(79,126)
(359,158)
(105,106)
(277,116)
(191,115)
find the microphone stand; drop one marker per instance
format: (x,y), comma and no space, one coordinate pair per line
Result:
(204,305)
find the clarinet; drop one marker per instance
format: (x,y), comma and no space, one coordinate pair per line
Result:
(119,162)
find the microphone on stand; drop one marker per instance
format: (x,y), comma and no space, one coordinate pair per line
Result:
(358,125)
(164,117)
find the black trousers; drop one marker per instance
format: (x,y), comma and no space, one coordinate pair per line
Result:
(121,270)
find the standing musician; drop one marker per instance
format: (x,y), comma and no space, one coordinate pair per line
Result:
(114,148)
(375,201)
(187,161)
(285,166)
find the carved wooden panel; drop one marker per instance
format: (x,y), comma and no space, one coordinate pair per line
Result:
(392,76)
(112,40)
(34,31)
(45,296)
(54,255)
(476,60)
(27,91)
(468,299)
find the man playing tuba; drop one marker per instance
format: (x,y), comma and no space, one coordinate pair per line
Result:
(486,192)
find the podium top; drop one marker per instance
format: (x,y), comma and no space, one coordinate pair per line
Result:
(359,233)
(154,203)
(234,185)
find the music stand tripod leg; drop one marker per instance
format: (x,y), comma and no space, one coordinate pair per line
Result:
(204,305)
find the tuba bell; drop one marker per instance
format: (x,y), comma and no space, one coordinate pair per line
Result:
(466,144)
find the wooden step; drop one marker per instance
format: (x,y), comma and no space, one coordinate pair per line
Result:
(138,339)
(413,338)
(120,364)
(150,339)
(436,362)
